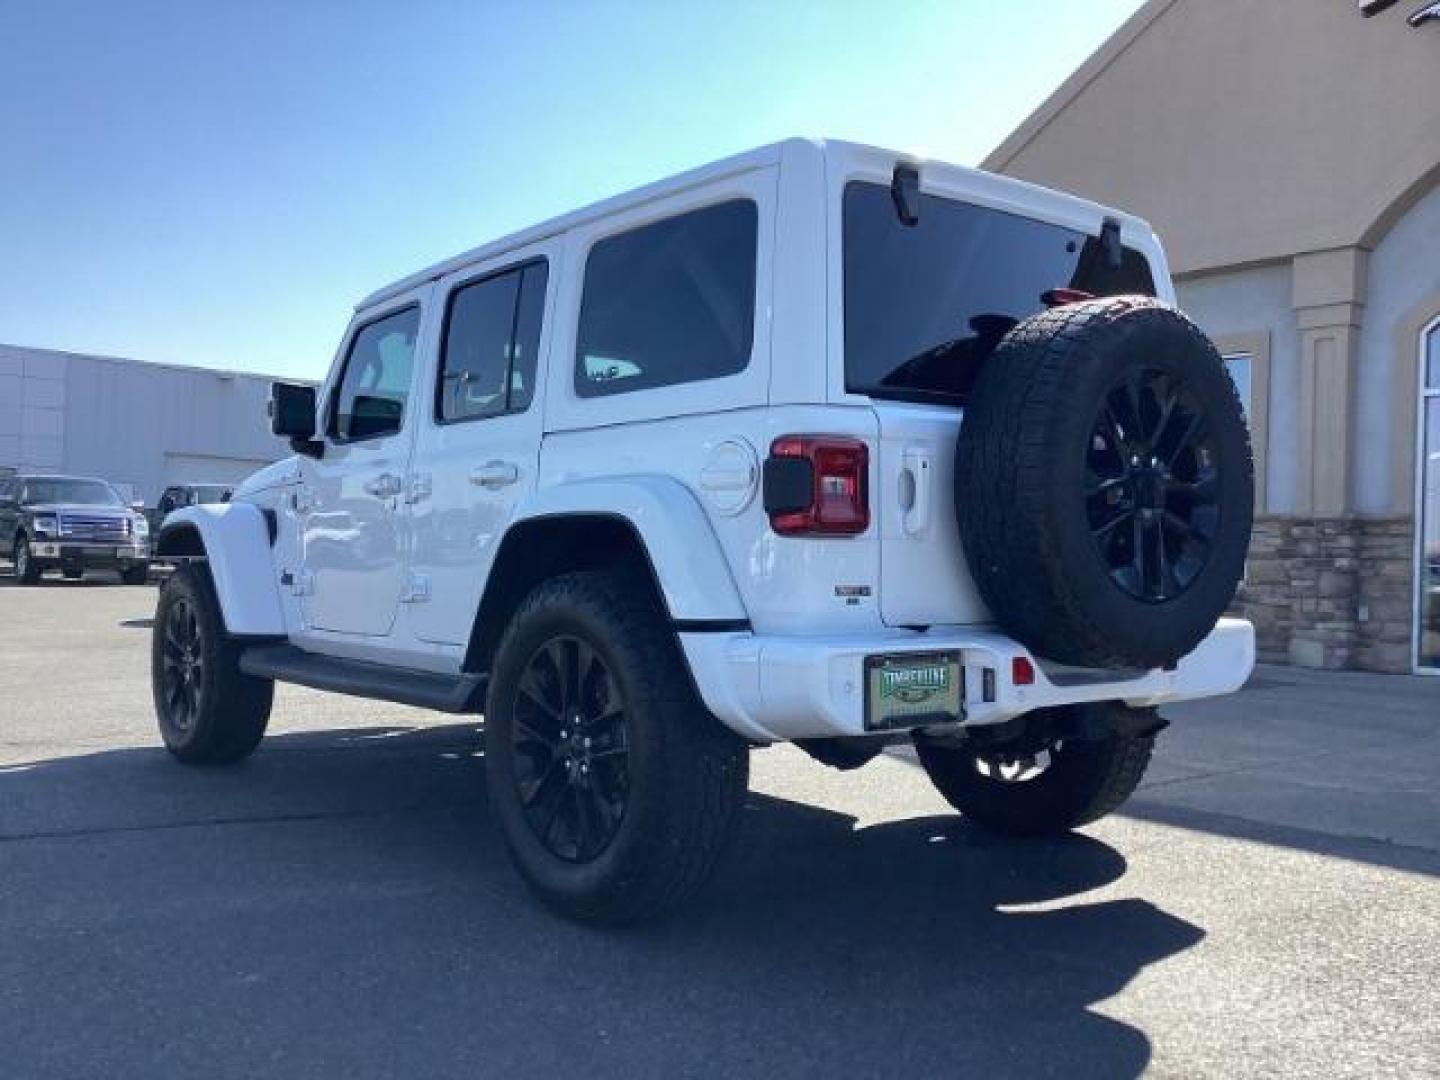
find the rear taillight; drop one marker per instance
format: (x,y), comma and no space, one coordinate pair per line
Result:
(817,485)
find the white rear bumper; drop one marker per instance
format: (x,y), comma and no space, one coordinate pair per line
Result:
(781,687)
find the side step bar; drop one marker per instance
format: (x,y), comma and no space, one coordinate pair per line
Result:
(426,689)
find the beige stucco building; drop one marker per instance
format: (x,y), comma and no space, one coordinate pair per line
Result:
(1288,153)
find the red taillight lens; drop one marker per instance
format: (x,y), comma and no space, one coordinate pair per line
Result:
(1022,671)
(817,485)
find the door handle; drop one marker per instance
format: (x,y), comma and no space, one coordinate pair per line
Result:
(495,474)
(384,486)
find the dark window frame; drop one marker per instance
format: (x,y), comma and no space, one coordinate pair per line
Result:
(332,407)
(580,384)
(480,279)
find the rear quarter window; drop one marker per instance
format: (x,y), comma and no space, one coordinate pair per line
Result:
(926,304)
(670,302)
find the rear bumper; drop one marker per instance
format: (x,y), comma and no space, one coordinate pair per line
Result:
(777,688)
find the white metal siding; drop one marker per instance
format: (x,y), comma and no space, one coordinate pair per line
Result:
(139,425)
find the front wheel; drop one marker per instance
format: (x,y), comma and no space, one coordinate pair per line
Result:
(210,712)
(27,570)
(1050,787)
(614,788)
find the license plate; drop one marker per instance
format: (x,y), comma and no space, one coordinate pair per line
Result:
(913,688)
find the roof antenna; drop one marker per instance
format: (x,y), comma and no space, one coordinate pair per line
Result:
(1110,244)
(905,190)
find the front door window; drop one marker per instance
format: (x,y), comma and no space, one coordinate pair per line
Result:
(1427,579)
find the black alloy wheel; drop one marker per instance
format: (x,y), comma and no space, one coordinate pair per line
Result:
(571,747)
(1152,485)
(614,788)
(183,667)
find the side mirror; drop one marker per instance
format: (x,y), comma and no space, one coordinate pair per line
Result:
(292,410)
(292,416)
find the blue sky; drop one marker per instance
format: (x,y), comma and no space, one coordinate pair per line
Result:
(217,184)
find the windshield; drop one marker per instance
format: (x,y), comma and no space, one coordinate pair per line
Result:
(73,492)
(926,304)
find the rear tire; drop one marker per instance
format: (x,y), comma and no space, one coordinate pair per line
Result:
(1084,780)
(135,575)
(209,711)
(27,571)
(615,789)
(72,573)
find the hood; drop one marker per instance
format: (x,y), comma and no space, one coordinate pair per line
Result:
(286,471)
(79,508)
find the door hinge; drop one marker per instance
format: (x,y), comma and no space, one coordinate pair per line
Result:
(418,488)
(416,591)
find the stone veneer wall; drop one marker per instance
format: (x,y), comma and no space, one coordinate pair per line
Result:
(1332,592)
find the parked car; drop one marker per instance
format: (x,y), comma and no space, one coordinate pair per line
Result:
(71,523)
(685,473)
(178,495)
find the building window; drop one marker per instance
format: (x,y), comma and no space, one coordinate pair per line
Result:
(1247,359)
(1427,577)
(1241,367)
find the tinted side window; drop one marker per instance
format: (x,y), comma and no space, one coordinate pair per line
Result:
(671,302)
(376,382)
(926,305)
(492,336)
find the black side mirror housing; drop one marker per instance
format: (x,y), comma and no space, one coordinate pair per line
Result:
(292,416)
(292,410)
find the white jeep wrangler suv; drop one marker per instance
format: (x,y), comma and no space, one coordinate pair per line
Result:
(819,443)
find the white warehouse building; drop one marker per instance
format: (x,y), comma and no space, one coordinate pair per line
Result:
(142,426)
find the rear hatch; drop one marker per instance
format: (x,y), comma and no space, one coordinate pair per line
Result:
(925,305)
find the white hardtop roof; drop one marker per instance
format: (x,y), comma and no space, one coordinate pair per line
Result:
(761,157)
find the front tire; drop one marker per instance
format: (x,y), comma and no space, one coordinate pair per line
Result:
(1079,781)
(209,711)
(614,788)
(27,570)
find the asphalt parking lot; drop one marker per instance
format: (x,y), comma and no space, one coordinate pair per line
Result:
(1269,905)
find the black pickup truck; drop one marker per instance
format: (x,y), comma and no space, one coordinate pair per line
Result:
(71,523)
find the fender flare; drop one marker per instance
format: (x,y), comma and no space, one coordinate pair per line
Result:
(235,540)
(673,530)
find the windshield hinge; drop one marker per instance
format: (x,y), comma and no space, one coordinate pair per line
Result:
(1110,244)
(905,190)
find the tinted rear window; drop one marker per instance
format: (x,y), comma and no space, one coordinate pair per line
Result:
(925,305)
(671,302)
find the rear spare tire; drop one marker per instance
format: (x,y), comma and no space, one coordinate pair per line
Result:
(1104,484)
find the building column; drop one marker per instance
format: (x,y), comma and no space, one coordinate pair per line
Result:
(1323,542)
(1329,298)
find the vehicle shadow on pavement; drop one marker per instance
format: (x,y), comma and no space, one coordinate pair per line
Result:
(342,903)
